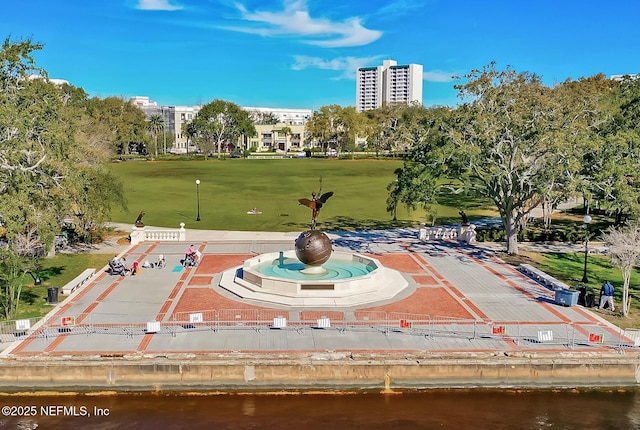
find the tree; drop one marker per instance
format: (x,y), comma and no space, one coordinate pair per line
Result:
(414,187)
(624,249)
(221,122)
(156,125)
(190,130)
(44,144)
(613,166)
(286,132)
(126,123)
(12,269)
(264,118)
(423,132)
(515,138)
(348,126)
(379,126)
(323,126)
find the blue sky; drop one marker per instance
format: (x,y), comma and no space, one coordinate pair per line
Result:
(304,53)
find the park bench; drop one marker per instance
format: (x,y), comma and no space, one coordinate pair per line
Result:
(71,286)
(542,277)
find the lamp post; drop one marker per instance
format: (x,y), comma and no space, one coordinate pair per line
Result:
(198,198)
(587,220)
(36,279)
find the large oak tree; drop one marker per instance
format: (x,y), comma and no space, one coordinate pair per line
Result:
(51,164)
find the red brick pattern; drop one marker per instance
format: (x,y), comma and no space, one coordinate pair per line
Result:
(427,301)
(201,280)
(198,299)
(216,263)
(401,262)
(315,315)
(425,280)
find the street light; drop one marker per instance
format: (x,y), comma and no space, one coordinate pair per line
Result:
(587,220)
(198,198)
(36,279)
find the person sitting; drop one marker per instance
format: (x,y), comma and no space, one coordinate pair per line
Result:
(134,268)
(161,263)
(189,261)
(117,266)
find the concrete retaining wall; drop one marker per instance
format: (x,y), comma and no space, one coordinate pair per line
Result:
(316,371)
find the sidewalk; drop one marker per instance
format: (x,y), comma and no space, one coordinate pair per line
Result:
(461,293)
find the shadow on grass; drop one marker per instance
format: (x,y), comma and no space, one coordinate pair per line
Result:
(29,297)
(342,223)
(349,224)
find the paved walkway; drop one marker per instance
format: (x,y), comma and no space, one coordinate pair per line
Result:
(460,298)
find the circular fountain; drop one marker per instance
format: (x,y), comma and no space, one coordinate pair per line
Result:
(313,275)
(342,279)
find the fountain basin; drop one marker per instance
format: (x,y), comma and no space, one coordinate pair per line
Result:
(348,279)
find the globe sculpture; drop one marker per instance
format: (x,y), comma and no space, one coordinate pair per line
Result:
(313,247)
(313,275)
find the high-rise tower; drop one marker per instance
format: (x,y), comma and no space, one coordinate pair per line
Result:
(388,83)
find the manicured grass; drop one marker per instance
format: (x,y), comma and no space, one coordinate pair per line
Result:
(55,272)
(166,191)
(569,269)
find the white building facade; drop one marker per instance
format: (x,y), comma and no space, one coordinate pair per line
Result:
(388,84)
(288,134)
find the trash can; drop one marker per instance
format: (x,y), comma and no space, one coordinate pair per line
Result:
(567,297)
(52,295)
(582,297)
(590,300)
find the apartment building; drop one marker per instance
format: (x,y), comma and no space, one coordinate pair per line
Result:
(389,83)
(278,137)
(287,134)
(285,115)
(174,117)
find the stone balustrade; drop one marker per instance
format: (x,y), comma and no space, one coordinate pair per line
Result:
(465,233)
(141,234)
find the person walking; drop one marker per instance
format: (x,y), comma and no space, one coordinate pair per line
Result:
(606,295)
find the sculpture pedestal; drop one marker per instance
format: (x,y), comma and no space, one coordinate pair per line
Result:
(467,234)
(137,235)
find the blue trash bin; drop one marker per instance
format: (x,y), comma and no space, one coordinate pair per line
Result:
(567,297)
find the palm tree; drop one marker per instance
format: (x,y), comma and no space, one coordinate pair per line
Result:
(287,132)
(156,124)
(190,130)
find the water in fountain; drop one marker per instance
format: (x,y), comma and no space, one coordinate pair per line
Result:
(291,268)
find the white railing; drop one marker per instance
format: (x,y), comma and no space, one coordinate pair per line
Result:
(527,336)
(141,234)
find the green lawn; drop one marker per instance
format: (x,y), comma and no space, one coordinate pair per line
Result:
(166,191)
(569,268)
(55,272)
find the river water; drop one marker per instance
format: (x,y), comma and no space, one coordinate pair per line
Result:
(429,409)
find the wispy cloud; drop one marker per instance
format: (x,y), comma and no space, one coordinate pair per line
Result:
(400,7)
(439,76)
(346,65)
(156,5)
(295,20)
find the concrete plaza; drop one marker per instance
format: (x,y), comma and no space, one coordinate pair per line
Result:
(460,299)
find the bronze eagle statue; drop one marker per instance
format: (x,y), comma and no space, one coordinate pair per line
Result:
(315,203)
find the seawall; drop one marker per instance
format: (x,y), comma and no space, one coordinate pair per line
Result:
(329,370)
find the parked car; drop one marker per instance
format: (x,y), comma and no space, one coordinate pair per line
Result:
(331,153)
